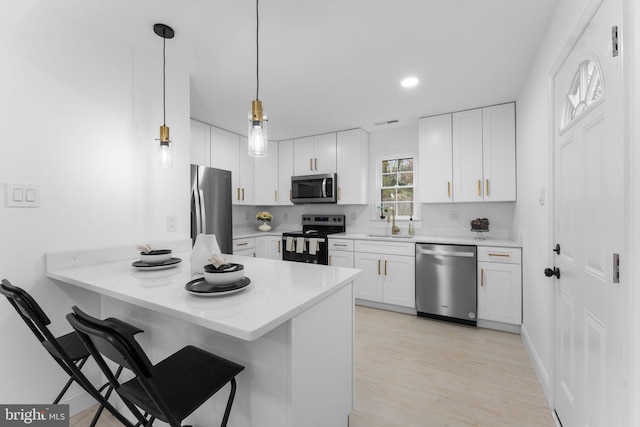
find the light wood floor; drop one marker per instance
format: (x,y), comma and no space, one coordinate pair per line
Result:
(416,372)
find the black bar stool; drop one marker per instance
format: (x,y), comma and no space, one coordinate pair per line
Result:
(67,350)
(168,391)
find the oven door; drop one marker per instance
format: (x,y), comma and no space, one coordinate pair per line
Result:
(313,250)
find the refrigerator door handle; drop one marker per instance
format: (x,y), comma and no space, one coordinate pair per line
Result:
(197,202)
(203,215)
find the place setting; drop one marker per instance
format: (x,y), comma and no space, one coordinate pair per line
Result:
(155,259)
(220,278)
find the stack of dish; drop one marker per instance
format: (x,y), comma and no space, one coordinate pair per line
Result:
(219,280)
(156,259)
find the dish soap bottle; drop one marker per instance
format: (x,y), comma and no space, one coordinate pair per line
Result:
(410,229)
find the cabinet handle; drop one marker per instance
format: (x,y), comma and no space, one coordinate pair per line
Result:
(279,241)
(238,198)
(339,194)
(479,187)
(315,161)
(290,196)
(378,267)
(486,193)
(449,189)
(254,254)
(482,277)
(503,255)
(243,194)
(243,244)
(329,259)
(275,196)
(385,267)
(341,245)
(310,164)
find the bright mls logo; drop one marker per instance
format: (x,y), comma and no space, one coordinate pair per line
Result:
(34,415)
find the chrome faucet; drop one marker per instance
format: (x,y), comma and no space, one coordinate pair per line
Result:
(392,216)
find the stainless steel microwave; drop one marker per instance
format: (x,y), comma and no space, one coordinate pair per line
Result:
(314,188)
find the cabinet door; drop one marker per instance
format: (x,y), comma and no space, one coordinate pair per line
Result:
(399,280)
(467,156)
(225,155)
(368,286)
(246,252)
(500,292)
(200,143)
(274,247)
(265,182)
(324,159)
(285,171)
(261,247)
(435,159)
(246,173)
(341,259)
(499,153)
(352,165)
(303,154)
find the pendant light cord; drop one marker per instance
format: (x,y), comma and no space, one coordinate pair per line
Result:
(164,90)
(257,52)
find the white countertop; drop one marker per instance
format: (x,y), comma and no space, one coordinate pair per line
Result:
(279,291)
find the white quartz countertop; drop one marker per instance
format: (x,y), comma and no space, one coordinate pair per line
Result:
(279,291)
(451,240)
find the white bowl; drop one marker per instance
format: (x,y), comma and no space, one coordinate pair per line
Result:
(157,256)
(222,277)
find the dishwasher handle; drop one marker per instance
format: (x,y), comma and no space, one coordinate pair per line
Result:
(446,253)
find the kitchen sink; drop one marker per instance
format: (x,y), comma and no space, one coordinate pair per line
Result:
(389,236)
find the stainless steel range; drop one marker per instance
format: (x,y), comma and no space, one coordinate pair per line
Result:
(310,245)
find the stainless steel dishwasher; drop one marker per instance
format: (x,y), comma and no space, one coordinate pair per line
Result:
(446,280)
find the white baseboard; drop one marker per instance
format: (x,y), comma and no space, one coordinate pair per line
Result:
(78,401)
(538,366)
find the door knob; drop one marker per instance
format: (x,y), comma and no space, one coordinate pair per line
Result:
(549,272)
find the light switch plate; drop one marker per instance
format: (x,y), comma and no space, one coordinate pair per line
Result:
(22,195)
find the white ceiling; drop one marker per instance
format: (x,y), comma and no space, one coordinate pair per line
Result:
(326,65)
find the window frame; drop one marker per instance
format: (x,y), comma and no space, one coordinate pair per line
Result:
(378,184)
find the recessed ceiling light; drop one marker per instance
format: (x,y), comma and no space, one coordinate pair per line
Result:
(410,82)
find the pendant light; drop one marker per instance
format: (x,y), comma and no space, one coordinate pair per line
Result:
(165,150)
(257,135)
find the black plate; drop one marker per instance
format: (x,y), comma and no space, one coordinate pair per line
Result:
(201,286)
(169,262)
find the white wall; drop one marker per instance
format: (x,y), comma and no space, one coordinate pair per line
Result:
(532,219)
(79,118)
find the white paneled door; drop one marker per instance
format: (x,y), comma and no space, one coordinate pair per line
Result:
(591,324)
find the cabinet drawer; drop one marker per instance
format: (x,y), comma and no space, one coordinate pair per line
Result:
(340,245)
(390,248)
(499,254)
(242,244)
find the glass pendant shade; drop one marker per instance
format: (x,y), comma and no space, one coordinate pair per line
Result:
(165,150)
(257,133)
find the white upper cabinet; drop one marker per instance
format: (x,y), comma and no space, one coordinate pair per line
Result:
(435,159)
(467,155)
(352,161)
(266,177)
(200,143)
(315,154)
(484,154)
(246,174)
(285,171)
(499,152)
(224,151)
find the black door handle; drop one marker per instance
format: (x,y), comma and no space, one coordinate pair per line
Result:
(557,249)
(549,272)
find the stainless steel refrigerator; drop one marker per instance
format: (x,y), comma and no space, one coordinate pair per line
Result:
(211,205)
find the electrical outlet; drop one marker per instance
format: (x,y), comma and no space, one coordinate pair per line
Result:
(453,215)
(172,223)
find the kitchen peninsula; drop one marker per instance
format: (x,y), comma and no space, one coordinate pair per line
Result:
(292,328)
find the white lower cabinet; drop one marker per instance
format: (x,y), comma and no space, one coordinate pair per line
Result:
(341,253)
(269,247)
(245,246)
(388,272)
(500,285)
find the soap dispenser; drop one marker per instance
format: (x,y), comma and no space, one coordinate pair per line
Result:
(410,229)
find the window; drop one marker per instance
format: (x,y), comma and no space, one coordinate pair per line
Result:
(396,178)
(586,89)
